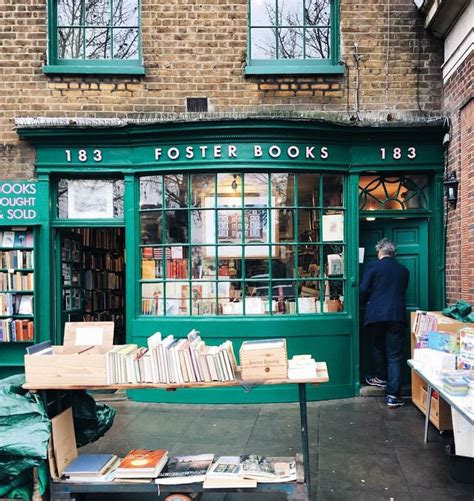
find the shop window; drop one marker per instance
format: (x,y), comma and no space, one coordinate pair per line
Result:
(403,192)
(90,198)
(300,36)
(94,36)
(242,244)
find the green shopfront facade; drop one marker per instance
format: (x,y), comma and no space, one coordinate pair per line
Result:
(241,229)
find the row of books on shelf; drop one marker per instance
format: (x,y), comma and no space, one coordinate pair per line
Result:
(103,300)
(19,259)
(16,304)
(100,261)
(102,238)
(16,238)
(171,361)
(17,280)
(103,280)
(143,465)
(16,330)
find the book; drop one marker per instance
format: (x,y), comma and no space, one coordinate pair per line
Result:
(25,306)
(263,344)
(89,464)
(8,239)
(185,469)
(20,239)
(224,467)
(142,463)
(43,348)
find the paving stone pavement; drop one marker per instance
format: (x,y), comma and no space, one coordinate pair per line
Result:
(359,449)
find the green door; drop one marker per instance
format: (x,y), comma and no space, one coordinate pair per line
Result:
(411,238)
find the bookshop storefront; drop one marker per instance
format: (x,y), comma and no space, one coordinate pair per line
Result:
(239,229)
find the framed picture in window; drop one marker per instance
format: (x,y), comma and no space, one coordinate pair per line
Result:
(90,199)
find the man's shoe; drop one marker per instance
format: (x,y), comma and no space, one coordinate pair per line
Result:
(375,381)
(393,402)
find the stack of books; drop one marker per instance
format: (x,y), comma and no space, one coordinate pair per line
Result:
(456,386)
(302,367)
(171,361)
(142,464)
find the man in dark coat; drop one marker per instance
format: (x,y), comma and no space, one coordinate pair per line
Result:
(383,290)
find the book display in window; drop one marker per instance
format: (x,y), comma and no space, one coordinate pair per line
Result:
(16,285)
(241,244)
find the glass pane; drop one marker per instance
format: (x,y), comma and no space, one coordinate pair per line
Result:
(125,13)
(98,43)
(90,198)
(203,227)
(257,299)
(309,261)
(177,298)
(333,260)
(283,190)
(151,227)
(229,226)
(176,190)
(152,263)
(177,259)
(176,226)
(309,296)
(229,190)
(290,43)
(309,225)
(203,264)
(333,226)
(308,190)
(317,12)
(256,225)
(125,43)
(202,190)
(284,295)
(333,190)
(262,12)
(69,12)
(333,296)
(256,190)
(98,13)
(283,225)
(318,43)
(70,43)
(152,299)
(283,262)
(230,298)
(256,263)
(203,298)
(263,43)
(230,262)
(151,192)
(291,12)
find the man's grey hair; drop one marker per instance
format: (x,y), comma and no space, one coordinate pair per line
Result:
(386,247)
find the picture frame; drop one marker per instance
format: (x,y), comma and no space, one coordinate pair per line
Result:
(333,227)
(335,264)
(90,199)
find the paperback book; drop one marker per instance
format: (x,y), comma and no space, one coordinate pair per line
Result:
(185,469)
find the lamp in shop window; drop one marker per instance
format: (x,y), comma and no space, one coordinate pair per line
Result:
(234,184)
(451,183)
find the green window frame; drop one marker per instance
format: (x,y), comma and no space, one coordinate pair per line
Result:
(111,60)
(301,45)
(284,262)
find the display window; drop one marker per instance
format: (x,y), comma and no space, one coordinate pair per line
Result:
(240,243)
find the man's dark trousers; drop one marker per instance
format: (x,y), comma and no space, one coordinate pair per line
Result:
(387,350)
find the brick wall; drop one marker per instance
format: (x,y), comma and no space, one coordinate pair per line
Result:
(459,106)
(198,49)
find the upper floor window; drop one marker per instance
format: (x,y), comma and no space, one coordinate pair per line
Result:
(293,36)
(94,36)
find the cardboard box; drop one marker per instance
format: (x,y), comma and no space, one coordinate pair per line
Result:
(62,448)
(81,361)
(264,363)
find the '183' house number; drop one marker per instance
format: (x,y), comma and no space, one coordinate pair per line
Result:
(84,155)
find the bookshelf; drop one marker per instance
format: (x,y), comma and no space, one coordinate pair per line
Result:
(17,264)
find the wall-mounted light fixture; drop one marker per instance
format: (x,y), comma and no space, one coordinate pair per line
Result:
(451,183)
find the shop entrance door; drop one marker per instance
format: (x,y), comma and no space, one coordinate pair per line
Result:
(411,238)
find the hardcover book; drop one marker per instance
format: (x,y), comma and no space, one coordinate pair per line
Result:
(89,464)
(185,469)
(142,463)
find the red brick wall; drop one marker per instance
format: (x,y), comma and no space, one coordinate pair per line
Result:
(459,106)
(198,49)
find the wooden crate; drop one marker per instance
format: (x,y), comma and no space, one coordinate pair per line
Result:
(267,363)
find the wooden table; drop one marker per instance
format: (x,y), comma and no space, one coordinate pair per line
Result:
(295,491)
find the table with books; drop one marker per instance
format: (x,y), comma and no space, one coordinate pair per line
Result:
(250,474)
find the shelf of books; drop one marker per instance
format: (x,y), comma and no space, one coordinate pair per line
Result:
(16,285)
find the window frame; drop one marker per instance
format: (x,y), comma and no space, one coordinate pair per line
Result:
(331,65)
(54,65)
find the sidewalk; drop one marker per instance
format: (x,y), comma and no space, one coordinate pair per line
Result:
(360,450)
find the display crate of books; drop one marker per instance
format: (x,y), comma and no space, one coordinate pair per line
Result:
(422,323)
(16,285)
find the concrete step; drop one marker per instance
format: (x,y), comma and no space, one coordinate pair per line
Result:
(374,391)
